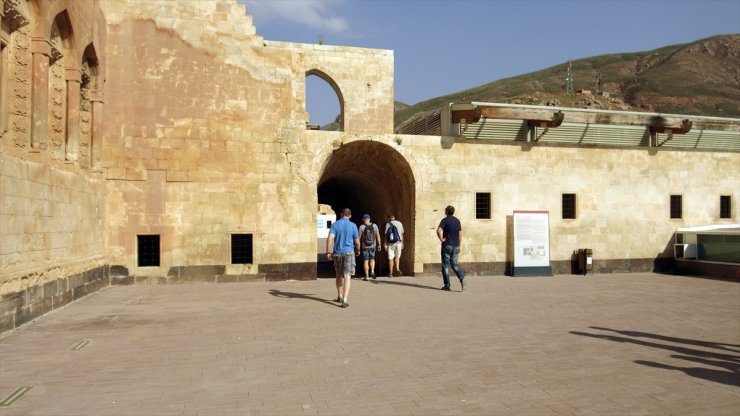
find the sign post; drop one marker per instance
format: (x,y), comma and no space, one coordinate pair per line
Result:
(531,244)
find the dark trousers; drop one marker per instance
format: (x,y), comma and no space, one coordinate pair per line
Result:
(449,258)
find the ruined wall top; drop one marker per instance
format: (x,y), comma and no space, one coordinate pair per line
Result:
(362,77)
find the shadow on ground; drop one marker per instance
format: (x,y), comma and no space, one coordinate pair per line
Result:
(294,295)
(726,362)
(400,283)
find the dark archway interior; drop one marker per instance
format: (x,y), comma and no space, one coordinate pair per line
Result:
(373,178)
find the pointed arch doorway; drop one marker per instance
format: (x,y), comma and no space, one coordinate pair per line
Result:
(373,178)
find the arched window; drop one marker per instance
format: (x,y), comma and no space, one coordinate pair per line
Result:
(60,31)
(89,140)
(15,16)
(324,102)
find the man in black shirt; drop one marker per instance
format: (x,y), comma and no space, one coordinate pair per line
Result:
(450,234)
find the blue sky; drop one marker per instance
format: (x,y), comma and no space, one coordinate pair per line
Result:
(442,47)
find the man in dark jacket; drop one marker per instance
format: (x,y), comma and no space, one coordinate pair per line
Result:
(450,234)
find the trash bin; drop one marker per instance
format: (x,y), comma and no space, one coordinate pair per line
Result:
(585,260)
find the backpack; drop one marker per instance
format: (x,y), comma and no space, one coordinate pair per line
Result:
(392,234)
(368,235)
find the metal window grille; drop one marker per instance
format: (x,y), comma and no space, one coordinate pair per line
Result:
(676,207)
(569,206)
(725,206)
(483,205)
(148,250)
(241,249)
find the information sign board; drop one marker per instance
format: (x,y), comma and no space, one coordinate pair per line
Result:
(531,243)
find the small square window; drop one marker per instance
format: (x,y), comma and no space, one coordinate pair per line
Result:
(483,205)
(241,249)
(569,206)
(725,206)
(148,250)
(676,207)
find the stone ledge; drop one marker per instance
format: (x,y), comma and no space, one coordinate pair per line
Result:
(658,265)
(707,268)
(21,307)
(288,271)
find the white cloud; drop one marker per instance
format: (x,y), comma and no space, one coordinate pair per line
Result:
(316,14)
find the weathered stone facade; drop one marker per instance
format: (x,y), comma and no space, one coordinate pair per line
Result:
(52,246)
(174,118)
(206,137)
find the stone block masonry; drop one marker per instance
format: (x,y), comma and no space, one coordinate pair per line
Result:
(22,306)
(53,223)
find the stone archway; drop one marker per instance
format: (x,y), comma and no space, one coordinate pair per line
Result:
(371,177)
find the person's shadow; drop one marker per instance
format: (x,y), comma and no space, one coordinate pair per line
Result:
(726,360)
(730,376)
(293,295)
(400,283)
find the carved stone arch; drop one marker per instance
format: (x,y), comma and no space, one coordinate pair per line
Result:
(90,109)
(90,76)
(61,37)
(64,90)
(15,14)
(333,84)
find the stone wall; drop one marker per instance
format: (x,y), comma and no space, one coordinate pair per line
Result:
(205,136)
(623,195)
(52,207)
(53,239)
(623,198)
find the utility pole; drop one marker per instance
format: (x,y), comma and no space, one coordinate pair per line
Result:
(569,80)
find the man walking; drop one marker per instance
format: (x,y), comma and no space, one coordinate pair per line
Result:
(394,244)
(369,242)
(342,246)
(450,234)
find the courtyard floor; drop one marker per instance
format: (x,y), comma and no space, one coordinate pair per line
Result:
(622,344)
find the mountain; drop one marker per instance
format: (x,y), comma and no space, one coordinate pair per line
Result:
(398,106)
(701,78)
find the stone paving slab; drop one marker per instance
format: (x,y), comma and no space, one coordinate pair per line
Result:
(637,344)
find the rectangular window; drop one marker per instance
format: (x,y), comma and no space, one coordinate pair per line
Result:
(241,249)
(725,206)
(569,206)
(148,250)
(483,205)
(676,207)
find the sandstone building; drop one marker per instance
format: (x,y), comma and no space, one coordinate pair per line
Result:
(162,141)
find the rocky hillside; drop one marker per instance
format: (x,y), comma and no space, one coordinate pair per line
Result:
(701,78)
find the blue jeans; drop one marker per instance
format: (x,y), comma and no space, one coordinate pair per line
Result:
(449,258)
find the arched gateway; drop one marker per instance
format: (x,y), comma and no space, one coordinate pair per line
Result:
(371,177)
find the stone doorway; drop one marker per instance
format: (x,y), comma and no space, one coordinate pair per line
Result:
(373,178)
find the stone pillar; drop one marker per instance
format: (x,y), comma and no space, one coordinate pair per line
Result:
(96,133)
(72,149)
(40,49)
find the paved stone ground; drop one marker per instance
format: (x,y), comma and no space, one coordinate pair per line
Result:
(640,344)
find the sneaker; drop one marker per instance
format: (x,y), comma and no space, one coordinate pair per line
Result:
(338,299)
(399,273)
(364,278)
(462,283)
(373,276)
(446,288)
(345,304)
